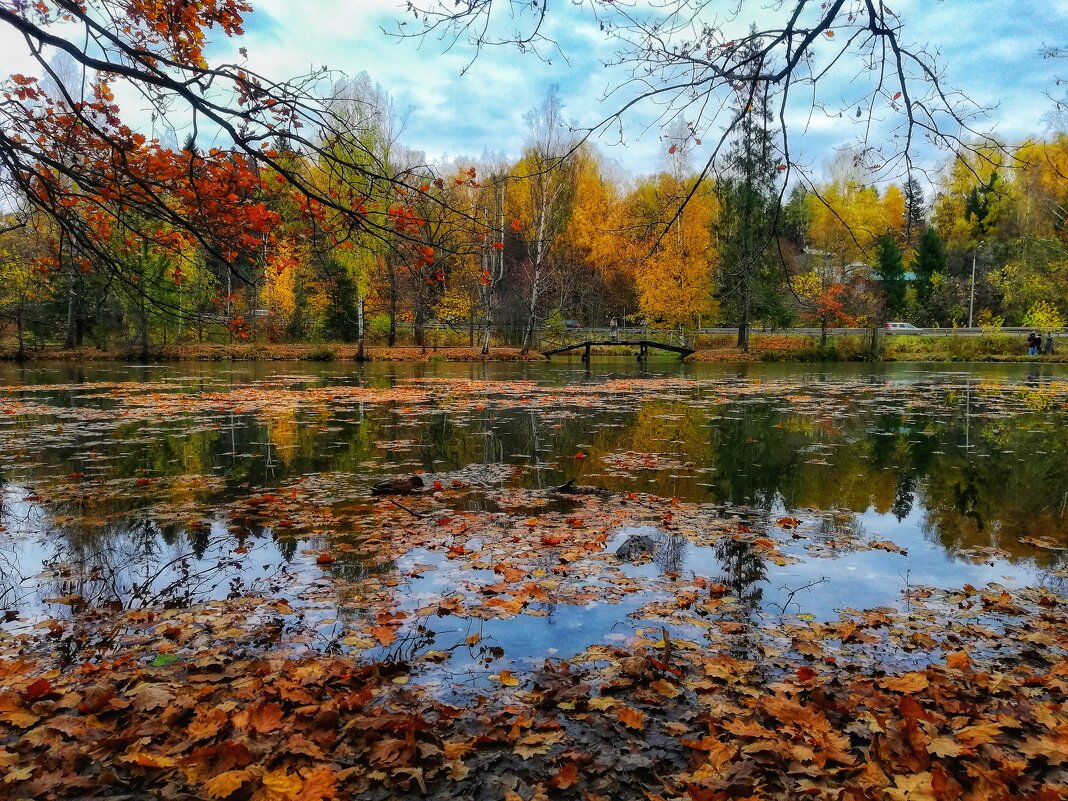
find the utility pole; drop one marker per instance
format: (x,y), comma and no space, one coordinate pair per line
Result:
(971,301)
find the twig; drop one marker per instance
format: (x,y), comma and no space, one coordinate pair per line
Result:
(405,508)
(793,592)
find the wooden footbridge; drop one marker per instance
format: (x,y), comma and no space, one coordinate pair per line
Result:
(643,346)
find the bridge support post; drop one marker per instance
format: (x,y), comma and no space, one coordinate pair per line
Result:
(643,352)
(586,354)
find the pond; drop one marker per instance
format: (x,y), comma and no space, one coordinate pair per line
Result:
(131,494)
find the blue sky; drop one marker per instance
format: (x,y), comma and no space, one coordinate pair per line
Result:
(989,49)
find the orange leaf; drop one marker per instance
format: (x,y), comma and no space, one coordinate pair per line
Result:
(566,777)
(319,783)
(958,660)
(384,634)
(265,717)
(280,785)
(632,718)
(226,784)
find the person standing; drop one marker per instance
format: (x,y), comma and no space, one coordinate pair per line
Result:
(1049,343)
(1032,344)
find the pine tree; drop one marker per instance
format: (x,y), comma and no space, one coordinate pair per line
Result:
(748,195)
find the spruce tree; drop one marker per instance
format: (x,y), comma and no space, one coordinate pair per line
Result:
(748,196)
(891,271)
(915,209)
(930,260)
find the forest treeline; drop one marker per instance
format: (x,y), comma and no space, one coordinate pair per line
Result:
(505,249)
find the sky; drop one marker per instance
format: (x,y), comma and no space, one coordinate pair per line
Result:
(988,49)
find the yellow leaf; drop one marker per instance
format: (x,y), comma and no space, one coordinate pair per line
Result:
(279,785)
(507,679)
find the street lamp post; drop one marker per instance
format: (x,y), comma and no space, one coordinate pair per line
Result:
(971,301)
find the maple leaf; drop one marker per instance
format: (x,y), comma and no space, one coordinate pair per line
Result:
(226,784)
(384,634)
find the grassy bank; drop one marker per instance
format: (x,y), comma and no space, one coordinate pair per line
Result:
(803,348)
(314,353)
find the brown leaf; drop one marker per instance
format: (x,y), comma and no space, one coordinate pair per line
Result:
(390,751)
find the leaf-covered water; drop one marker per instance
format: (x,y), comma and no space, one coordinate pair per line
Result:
(129,487)
(697,583)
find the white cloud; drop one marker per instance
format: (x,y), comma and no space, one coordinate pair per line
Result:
(989,49)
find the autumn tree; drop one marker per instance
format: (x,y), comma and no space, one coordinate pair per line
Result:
(543,198)
(675,279)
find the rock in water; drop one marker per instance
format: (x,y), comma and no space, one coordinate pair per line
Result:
(636,547)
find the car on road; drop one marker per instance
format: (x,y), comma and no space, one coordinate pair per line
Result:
(572,324)
(902,328)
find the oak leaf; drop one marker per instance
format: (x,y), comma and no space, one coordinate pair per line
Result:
(279,785)
(632,718)
(265,717)
(565,777)
(226,784)
(915,787)
(319,783)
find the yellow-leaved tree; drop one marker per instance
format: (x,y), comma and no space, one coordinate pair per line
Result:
(676,282)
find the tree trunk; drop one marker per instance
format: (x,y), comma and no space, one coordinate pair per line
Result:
(419,325)
(20,332)
(360,352)
(391,271)
(823,332)
(142,324)
(72,313)
(528,334)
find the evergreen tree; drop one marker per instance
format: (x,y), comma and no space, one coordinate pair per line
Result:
(891,271)
(748,196)
(930,261)
(915,209)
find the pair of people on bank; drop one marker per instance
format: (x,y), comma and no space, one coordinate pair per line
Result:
(1035,346)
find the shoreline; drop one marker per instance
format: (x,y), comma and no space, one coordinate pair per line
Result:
(347,353)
